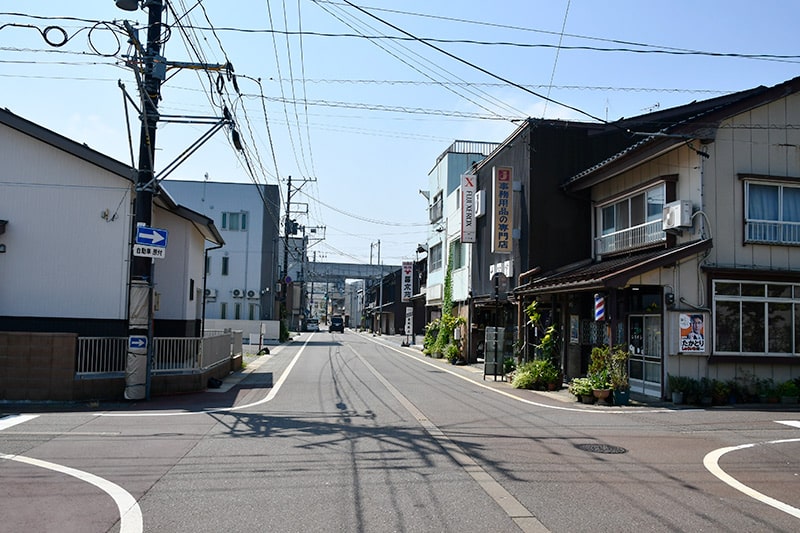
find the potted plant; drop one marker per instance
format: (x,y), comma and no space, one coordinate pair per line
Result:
(788,392)
(618,376)
(679,387)
(601,387)
(582,389)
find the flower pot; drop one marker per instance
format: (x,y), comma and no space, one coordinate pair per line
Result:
(622,396)
(677,397)
(602,394)
(587,398)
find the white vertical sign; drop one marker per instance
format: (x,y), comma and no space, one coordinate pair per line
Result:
(407,290)
(468,226)
(409,329)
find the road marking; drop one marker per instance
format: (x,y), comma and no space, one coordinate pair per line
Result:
(610,411)
(524,519)
(13,420)
(130,514)
(711,462)
(793,423)
(272,393)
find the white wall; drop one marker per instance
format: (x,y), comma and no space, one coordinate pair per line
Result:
(63,259)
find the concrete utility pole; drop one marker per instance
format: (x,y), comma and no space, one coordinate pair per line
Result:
(151,71)
(287,228)
(140,303)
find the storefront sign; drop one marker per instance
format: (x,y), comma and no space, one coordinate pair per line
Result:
(503,216)
(407,290)
(468,225)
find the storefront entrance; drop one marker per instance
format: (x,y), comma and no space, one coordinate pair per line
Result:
(645,341)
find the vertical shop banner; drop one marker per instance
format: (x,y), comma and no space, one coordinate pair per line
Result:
(503,216)
(468,225)
(407,290)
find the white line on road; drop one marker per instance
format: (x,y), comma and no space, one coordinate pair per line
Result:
(793,423)
(130,514)
(711,462)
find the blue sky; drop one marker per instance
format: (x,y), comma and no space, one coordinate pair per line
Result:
(367,116)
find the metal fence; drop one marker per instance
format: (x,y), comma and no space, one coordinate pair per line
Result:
(106,356)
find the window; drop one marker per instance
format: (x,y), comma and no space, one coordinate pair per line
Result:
(224,271)
(756,318)
(773,213)
(631,222)
(458,254)
(237,311)
(435,257)
(223,310)
(436,208)
(234,221)
(208,265)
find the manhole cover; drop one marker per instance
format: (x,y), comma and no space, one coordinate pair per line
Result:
(601,448)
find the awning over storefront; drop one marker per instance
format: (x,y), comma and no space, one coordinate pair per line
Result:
(609,273)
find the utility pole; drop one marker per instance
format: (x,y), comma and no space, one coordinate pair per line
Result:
(287,223)
(151,71)
(140,300)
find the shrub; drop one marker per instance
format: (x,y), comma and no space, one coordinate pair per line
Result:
(523,379)
(580,386)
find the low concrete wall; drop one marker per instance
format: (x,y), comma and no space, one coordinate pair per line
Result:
(37,366)
(272,329)
(41,367)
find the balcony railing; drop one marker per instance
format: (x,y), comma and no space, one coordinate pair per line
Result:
(629,238)
(773,232)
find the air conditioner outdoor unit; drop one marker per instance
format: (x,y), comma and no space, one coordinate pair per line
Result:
(237,293)
(252,294)
(211,294)
(480,203)
(677,215)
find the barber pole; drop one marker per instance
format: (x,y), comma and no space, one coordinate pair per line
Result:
(599,308)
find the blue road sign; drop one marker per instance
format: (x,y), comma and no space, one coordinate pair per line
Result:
(151,236)
(137,341)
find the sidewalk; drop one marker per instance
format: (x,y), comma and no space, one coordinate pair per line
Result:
(561,395)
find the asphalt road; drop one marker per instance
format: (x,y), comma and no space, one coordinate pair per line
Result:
(350,432)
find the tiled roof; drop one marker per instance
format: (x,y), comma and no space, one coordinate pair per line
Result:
(612,272)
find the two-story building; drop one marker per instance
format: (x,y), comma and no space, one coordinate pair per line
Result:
(694,254)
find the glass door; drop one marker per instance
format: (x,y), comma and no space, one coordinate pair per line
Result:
(646,362)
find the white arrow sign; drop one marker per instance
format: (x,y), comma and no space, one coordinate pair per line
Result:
(151,236)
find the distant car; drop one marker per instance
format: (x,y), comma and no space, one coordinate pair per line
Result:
(337,324)
(312,324)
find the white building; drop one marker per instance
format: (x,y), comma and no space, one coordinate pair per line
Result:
(66,221)
(242,276)
(444,182)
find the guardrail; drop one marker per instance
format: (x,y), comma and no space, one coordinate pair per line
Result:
(107,356)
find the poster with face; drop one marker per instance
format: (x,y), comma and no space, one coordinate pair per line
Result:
(693,334)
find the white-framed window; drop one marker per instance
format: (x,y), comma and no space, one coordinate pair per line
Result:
(234,220)
(632,221)
(772,213)
(756,318)
(435,257)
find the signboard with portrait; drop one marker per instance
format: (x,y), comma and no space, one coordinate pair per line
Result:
(692,332)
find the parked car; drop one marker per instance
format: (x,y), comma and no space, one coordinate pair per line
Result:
(337,324)
(312,324)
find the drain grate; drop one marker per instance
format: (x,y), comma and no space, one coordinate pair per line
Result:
(601,448)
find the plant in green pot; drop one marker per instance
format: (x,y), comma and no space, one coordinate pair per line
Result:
(618,376)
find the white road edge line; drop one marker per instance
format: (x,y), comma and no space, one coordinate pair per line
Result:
(524,519)
(130,514)
(513,397)
(272,393)
(711,462)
